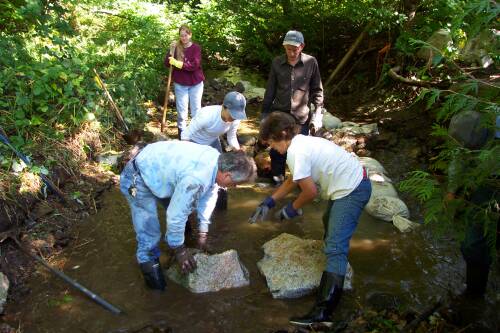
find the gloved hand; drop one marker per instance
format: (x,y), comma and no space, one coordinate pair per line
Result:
(176,63)
(262,210)
(288,212)
(316,120)
(202,243)
(185,259)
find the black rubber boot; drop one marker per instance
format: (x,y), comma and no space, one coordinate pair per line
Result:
(476,279)
(179,132)
(329,293)
(221,203)
(153,275)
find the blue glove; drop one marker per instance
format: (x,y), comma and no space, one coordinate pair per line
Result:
(288,212)
(262,210)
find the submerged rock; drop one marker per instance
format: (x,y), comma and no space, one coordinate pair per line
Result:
(293,266)
(213,273)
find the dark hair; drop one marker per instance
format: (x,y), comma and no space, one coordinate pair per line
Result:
(241,167)
(278,126)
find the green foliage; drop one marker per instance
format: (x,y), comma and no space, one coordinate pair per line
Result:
(252,31)
(456,169)
(459,170)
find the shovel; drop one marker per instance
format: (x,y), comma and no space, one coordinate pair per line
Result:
(165,102)
(4,139)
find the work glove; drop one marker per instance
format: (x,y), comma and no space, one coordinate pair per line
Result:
(185,259)
(176,63)
(202,243)
(316,120)
(262,210)
(288,212)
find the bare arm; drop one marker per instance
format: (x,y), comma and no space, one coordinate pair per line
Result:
(307,194)
(285,188)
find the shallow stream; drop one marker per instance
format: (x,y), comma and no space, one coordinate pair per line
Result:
(103,260)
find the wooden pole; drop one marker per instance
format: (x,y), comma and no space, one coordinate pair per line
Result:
(110,99)
(348,55)
(165,103)
(167,90)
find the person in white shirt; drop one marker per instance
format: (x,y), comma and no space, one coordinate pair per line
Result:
(318,167)
(213,121)
(185,176)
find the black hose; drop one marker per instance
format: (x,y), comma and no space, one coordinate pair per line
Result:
(72,282)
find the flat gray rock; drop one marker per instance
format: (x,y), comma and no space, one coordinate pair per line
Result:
(293,266)
(213,273)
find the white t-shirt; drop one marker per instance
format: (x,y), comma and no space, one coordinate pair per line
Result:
(336,172)
(208,125)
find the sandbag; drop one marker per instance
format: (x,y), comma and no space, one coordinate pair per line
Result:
(386,207)
(372,165)
(330,121)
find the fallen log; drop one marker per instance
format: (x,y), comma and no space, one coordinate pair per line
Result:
(393,73)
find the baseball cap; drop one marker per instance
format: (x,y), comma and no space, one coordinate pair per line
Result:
(293,37)
(235,102)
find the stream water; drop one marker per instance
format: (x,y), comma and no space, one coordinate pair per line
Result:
(411,266)
(103,260)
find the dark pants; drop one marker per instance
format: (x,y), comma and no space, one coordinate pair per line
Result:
(475,244)
(475,248)
(278,161)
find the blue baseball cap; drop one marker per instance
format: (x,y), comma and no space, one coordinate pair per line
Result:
(235,102)
(293,37)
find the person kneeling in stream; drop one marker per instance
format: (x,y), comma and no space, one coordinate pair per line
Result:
(318,166)
(184,176)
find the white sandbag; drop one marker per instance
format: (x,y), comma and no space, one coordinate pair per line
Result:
(386,207)
(372,165)
(330,121)
(403,224)
(378,177)
(383,189)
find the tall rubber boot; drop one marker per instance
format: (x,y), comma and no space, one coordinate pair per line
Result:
(329,294)
(153,275)
(221,203)
(476,279)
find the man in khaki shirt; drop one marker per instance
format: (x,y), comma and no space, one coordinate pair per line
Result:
(294,84)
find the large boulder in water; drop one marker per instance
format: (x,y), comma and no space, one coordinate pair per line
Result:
(213,273)
(293,266)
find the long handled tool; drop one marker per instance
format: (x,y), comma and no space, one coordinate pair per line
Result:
(117,111)
(167,90)
(66,278)
(45,179)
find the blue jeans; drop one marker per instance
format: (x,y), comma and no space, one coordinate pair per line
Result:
(184,96)
(340,220)
(144,215)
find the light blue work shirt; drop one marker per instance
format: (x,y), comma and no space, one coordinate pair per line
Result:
(186,173)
